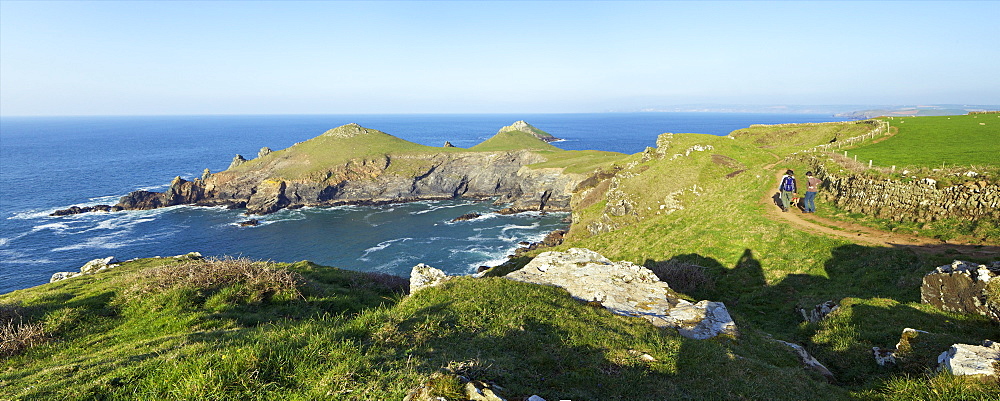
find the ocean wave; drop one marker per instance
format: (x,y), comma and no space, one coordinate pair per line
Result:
(510,227)
(434,207)
(113,241)
(382,245)
(393,265)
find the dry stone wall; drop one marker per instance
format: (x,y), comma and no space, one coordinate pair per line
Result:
(920,201)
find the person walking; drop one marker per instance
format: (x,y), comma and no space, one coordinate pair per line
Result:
(788,189)
(812,184)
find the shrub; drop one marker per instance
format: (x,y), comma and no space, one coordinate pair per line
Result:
(15,334)
(242,278)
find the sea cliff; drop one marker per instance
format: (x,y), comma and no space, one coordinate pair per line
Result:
(356,165)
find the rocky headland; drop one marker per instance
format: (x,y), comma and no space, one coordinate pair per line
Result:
(356,165)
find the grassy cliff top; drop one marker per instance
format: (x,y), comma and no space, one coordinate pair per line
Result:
(513,140)
(354,142)
(236,329)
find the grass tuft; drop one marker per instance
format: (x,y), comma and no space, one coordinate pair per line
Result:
(16,335)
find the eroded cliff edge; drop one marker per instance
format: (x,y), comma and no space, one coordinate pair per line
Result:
(356,165)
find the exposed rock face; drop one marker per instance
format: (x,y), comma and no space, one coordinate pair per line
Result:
(448,144)
(269,198)
(819,312)
(90,267)
(264,152)
(423,276)
(972,360)
(626,289)
(378,179)
(962,287)
(237,161)
(181,192)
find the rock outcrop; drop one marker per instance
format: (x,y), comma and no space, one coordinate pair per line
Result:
(972,360)
(818,312)
(238,160)
(626,289)
(90,267)
(85,209)
(963,287)
(423,276)
(528,128)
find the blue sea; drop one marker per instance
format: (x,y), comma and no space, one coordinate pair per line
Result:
(51,163)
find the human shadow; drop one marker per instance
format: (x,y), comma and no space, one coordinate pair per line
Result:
(878,292)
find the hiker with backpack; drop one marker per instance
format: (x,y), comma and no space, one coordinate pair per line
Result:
(812,184)
(788,189)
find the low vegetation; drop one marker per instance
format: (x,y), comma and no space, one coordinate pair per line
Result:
(693,213)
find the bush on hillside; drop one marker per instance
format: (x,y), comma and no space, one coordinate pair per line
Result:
(239,279)
(16,335)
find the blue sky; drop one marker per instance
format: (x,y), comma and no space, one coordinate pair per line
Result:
(143,57)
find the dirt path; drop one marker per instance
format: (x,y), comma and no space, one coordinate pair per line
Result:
(866,235)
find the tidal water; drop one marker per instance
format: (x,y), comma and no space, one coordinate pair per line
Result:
(51,163)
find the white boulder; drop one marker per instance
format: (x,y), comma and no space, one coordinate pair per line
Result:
(626,289)
(971,360)
(422,276)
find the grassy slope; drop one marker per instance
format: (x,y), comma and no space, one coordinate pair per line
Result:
(763,269)
(312,158)
(347,337)
(933,141)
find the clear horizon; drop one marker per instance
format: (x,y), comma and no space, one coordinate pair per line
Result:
(247,58)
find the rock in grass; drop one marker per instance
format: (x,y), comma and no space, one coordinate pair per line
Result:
(963,287)
(423,276)
(90,267)
(626,289)
(971,360)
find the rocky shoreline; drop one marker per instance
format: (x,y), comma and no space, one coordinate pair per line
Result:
(263,185)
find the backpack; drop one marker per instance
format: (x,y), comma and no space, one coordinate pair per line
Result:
(788,184)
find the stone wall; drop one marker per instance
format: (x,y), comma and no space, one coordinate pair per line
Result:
(919,201)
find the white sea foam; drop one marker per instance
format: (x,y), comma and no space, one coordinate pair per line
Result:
(382,245)
(434,207)
(113,241)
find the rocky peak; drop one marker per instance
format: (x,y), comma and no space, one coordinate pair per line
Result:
(237,161)
(348,131)
(264,152)
(523,126)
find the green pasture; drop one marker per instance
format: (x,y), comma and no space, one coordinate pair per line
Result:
(940,141)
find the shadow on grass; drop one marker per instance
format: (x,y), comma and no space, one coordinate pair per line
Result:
(878,289)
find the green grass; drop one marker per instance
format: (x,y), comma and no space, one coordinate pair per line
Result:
(947,141)
(340,335)
(165,328)
(763,269)
(513,140)
(578,161)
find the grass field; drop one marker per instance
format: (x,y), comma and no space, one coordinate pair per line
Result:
(944,141)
